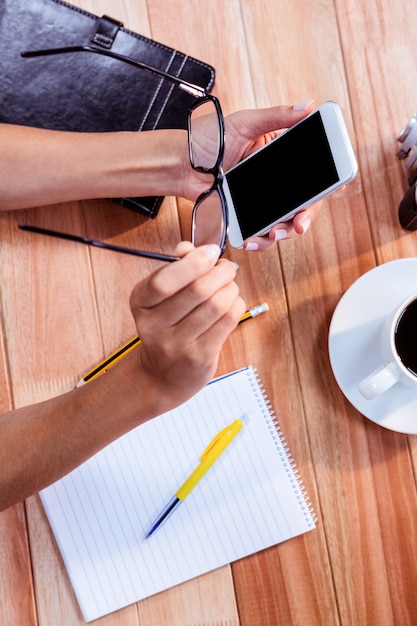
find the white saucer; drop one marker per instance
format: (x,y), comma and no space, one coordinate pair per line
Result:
(354,342)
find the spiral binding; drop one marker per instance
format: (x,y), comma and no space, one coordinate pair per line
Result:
(282,447)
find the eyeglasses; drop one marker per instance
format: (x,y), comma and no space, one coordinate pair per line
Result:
(210,215)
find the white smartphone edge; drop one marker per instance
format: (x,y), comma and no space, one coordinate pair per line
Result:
(343,155)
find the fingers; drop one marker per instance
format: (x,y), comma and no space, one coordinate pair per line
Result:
(258,243)
(207,344)
(284,230)
(188,296)
(218,312)
(205,291)
(183,248)
(170,279)
(184,313)
(253,123)
(298,226)
(303,220)
(286,116)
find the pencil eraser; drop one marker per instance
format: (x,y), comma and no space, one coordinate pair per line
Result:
(258,310)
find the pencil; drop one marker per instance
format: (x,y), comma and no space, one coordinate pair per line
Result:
(130,345)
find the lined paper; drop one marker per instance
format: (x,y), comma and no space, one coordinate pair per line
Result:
(249,500)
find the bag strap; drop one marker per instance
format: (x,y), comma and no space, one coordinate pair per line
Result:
(105,31)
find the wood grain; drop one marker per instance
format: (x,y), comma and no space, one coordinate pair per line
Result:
(358,566)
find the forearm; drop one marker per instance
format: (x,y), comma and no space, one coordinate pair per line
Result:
(184,313)
(39,167)
(43,442)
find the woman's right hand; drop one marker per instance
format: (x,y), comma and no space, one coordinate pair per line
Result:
(184,312)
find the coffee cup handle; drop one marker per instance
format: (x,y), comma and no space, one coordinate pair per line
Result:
(379,381)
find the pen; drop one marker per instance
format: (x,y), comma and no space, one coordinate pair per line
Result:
(121,352)
(209,456)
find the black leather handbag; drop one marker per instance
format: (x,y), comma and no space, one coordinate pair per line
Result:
(90,92)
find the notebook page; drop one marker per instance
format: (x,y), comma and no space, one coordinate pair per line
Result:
(250,499)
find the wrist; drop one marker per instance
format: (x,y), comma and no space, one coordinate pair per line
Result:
(121,399)
(144,164)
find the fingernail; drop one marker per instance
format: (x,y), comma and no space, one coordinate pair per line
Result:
(251,246)
(236,265)
(303,106)
(213,252)
(306,225)
(279,234)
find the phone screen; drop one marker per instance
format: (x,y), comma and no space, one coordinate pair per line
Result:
(281,177)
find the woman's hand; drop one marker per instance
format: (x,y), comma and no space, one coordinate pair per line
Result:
(247,131)
(184,312)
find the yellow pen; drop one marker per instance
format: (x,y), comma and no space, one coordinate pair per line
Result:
(209,456)
(124,350)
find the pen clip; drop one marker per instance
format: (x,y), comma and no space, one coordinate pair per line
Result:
(222,438)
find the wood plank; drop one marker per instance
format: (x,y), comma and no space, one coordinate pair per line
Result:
(381,80)
(120,226)
(111,318)
(206,601)
(126,228)
(17,602)
(377,41)
(235,48)
(53,284)
(288,66)
(358,566)
(317,269)
(210,599)
(54,593)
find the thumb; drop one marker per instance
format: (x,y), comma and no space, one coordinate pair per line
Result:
(252,123)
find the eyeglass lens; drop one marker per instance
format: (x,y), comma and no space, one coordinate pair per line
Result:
(208,220)
(206,145)
(205,138)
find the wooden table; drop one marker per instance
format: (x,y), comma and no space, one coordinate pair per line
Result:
(64,307)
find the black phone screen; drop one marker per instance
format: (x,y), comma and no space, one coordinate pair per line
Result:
(282,176)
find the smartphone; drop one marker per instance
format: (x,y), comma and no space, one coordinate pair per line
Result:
(304,164)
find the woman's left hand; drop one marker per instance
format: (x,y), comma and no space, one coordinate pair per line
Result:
(247,131)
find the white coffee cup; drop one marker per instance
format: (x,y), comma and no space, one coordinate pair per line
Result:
(398,351)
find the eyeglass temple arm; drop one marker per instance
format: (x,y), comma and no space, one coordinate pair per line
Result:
(193,90)
(99,244)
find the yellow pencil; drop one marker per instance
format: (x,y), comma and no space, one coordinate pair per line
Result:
(130,345)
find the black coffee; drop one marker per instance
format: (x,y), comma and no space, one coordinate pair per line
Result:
(406,337)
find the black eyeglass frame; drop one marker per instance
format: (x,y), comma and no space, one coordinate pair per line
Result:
(194,90)
(190,88)
(216,170)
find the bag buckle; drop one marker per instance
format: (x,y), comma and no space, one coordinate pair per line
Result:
(105,31)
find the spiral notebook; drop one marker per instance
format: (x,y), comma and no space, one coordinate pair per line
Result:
(251,498)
